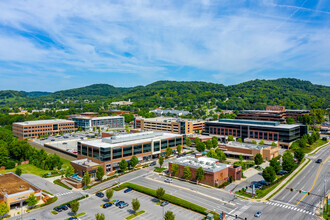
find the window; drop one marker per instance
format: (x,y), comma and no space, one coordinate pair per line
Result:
(127,151)
(146,147)
(95,153)
(171,143)
(156,146)
(90,152)
(137,149)
(178,141)
(105,154)
(117,153)
(164,144)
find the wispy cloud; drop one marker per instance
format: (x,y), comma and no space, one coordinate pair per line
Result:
(137,42)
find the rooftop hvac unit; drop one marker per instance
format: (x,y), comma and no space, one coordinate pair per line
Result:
(207,163)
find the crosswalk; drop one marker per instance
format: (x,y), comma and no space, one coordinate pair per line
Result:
(63,194)
(287,206)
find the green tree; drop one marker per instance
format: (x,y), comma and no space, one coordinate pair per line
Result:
(32,200)
(94,128)
(4,154)
(179,148)
(18,171)
(275,164)
(99,216)
(299,154)
(288,163)
(74,206)
(186,172)
(127,129)
(161,161)
(262,142)
(100,173)
(269,174)
(290,120)
(208,144)
(133,161)
(200,147)
(123,165)
(230,138)
(99,130)
(168,151)
(69,171)
(109,194)
(175,169)
(273,144)
(86,178)
(212,154)
(200,174)
(160,192)
(215,142)
(169,215)
(254,142)
(188,142)
(135,204)
(239,140)
(3,209)
(258,159)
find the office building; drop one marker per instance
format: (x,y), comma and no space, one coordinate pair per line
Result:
(87,123)
(170,112)
(14,190)
(256,130)
(215,173)
(33,129)
(173,125)
(249,151)
(108,152)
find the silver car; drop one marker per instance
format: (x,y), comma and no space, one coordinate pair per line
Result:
(168,180)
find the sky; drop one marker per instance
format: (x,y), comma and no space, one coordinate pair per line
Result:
(56,45)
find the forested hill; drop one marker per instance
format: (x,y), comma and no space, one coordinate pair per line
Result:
(255,94)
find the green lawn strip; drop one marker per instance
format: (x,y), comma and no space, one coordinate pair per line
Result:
(319,148)
(28,169)
(57,182)
(47,192)
(326,215)
(158,203)
(54,212)
(159,170)
(172,199)
(80,198)
(135,215)
(289,179)
(79,215)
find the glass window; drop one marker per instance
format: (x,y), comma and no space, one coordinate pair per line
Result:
(117,153)
(89,151)
(79,148)
(96,153)
(178,141)
(156,146)
(105,154)
(137,149)
(127,151)
(164,144)
(171,143)
(146,147)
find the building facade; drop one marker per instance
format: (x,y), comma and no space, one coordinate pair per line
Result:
(170,112)
(215,173)
(14,190)
(249,151)
(87,123)
(173,125)
(284,134)
(108,152)
(33,129)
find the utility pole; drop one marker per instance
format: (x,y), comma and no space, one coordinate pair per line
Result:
(325,192)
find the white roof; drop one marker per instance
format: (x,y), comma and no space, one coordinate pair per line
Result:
(38,122)
(106,117)
(207,163)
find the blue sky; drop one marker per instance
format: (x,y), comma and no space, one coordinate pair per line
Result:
(54,45)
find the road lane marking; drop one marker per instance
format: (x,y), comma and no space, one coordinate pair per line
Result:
(317,176)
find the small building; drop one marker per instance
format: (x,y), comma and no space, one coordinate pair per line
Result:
(249,151)
(215,173)
(33,129)
(14,190)
(122,102)
(170,112)
(167,124)
(88,122)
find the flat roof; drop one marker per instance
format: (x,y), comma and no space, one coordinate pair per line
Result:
(269,124)
(246,145)
(129,139)
(38,122)
(94,118)
(207,163)
(170,119)
(10,183)
(85,162)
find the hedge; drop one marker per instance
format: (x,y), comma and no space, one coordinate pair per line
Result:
(80,198)
(172,199)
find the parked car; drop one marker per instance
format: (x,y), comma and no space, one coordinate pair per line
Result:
(164,203)
(106,205)
(119,203)
(263,182)
(58,209)
(64,207)
(128,190)
(74,218)
(100,194)
(123,205)
(318,161)
(153,164)
(68,205)
(52,139)
(258,214)
(282,172)
(65,143)
(168,180)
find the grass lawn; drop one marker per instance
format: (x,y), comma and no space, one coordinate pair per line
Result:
(79,215)
(28,169)
(135,215)
(159,170)
(309,148)
(327,215)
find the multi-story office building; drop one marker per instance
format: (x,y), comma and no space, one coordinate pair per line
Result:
(266,130)
(170,112)
(33,129)
(173,125)
(215,173)
(88,123)
(108,152)
(272,113)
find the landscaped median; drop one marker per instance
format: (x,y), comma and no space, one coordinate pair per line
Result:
(135,215)
(80,198)
(57,182)
(79,215)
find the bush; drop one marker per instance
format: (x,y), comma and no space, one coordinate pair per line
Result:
(224,184)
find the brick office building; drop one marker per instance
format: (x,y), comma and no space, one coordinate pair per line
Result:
(108,152)
(215,173)
(33,129)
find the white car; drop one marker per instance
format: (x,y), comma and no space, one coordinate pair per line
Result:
(168,180)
